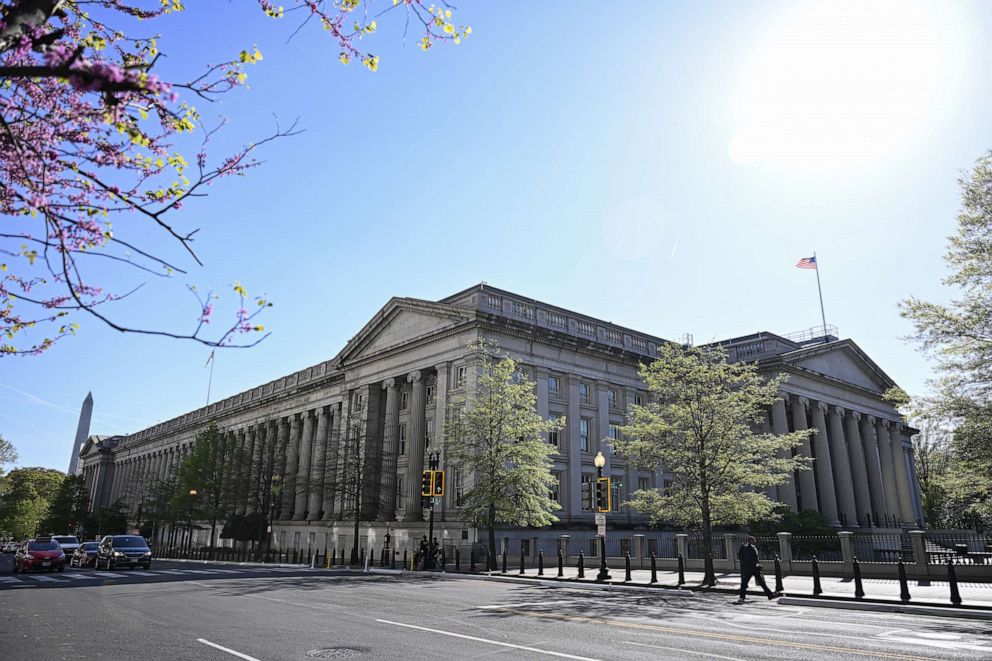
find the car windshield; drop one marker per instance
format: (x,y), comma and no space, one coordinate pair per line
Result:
(43,546)
(66,540)
(90,546)
(130,542)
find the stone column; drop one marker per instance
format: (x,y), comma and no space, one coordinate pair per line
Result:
(342,449)
(292,465)
(415,447)
(390,439)
(873,460)
(331,479)
(440,419)
(859,469)
(807,483)
(906,508)
(765,427)
(318,467)
(823,466)
(303,469)
(842,468)
(888,468)
(247,471)
(574,453)
(281,438)
(780,425)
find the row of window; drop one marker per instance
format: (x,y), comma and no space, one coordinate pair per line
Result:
(585,393)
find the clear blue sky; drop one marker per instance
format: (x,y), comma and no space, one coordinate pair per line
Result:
(658,165)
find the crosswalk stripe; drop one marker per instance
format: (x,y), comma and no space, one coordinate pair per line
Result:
(169,571)
(80,577)
(108,574)
(42,579)
(9,579)
(141,573)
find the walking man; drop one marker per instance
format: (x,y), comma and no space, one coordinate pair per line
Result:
(748,557)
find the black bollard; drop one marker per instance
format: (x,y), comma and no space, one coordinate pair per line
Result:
(444,559)
(817,590)
(504,561)
(521,562)
(540,562)
(778,575)
(405,563)
(458,560)
(342,556)
(859,590)
(626,566)
(952,580)
(561,564)
(582,565)
(903,583)
(681,570)
(332,557)
(471,560)
(654,569)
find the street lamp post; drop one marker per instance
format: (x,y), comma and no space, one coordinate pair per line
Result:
(604,574)
(434,463)
(189,521)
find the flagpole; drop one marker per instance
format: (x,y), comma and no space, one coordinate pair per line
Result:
(210,360)
(819,289)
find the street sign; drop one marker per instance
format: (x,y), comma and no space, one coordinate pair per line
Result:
(600,519)
(601,530)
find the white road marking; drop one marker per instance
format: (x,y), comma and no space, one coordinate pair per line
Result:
(226,649)
(80,577)
(927,639)
(168,571)
(141,573)
(9,579)
(42,579)
(685,651)
(490,642)
(109,574)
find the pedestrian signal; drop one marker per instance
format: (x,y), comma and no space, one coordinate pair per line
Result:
(438,489)
(587,495)
(603,494)
(427,484)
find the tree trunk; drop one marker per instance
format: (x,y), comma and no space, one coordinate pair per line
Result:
(358,518)
(709,575)
(213,535)
(492,537)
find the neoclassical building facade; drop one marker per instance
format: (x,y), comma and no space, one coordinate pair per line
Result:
(392,385)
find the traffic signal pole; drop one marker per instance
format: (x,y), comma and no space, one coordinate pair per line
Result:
(604,573)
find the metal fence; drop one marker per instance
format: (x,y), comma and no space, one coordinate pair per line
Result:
(882,547)
(963,547)
(823,547)
(697,547)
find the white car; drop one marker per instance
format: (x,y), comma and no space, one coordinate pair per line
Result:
(69,543)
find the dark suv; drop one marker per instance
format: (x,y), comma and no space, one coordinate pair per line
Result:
(123,551)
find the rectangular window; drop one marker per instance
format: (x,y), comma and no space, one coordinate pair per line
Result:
(554,386)
(404,400)
(612,396)
(584,392)
(616,493)
(458,487)
(402,439)
(584,434)
(558,321)
(429,433)
(585,328)
(359,401)
(587,504)
(554,436)
(556,488)
(638,400)
(400,492)
(614,434)
(431,390)
(460,375)
(643,483)
(667,488)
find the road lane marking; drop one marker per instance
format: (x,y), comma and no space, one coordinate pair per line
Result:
(226,649)
(685,651)
(9,579)
(718,636)
(42,579)
(490,642)
(109,574)
(80,577)
(141,573)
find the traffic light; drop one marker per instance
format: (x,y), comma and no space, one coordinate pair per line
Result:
(603,494)
(438,483)
(427,484)
(587,495)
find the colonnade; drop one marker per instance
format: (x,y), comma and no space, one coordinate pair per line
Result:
(859,469)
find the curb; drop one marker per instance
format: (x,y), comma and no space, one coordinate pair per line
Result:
(235,564)
(890,607)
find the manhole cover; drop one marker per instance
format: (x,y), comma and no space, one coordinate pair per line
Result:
(337,653)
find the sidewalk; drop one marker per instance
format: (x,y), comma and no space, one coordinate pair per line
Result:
(924,593)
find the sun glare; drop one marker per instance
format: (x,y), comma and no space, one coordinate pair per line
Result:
(837,84)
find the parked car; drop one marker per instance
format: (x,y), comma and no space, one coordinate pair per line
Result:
(9,547)
(69,543)
(85,555)
(123,551)
(39,553)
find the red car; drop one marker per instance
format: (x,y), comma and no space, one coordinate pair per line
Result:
(39,553)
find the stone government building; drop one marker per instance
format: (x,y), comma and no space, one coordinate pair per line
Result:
(395,378)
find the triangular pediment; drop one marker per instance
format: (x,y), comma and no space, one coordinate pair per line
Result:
(841,361)
(400,321)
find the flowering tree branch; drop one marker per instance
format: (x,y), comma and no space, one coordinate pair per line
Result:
(89,132)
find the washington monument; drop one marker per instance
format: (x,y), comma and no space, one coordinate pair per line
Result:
(82,432)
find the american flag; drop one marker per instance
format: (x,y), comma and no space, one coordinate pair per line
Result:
(806,263)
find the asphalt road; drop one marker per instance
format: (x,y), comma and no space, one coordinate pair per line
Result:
(184,611)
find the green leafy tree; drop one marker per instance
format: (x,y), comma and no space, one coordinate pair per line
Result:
(698,425)
(496,433)
(8,454)
(958,337)
(353,487)
(25,496)
(67,511)
(108,520)
(158,510)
